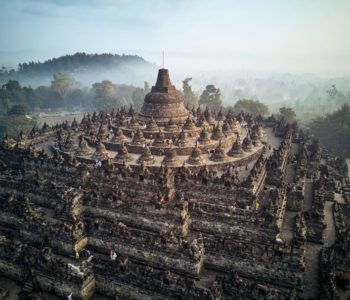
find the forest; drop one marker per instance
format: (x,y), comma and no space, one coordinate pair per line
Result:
(333,130)
(68,64)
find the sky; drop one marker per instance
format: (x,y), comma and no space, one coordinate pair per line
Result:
(293,36)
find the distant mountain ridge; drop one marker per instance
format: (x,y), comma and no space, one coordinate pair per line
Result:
(77,64)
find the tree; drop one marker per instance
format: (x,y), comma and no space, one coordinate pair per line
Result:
(47,97)
(12,125)
(138,96)
(105,96)
(211,97)
(78,97)
(253,107)
(11,86)
(18,110)
(64,85)
(30,98)
(146,87)
(288,114)
(190,98)
(334,130)
(332,92)
(5,105)
(13,91)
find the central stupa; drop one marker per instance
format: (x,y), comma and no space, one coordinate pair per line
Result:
(164,102)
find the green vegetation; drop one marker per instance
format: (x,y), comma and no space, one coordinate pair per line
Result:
(106,97)
(288,114)
(78,62)
(211,97)
(18,110)
(64,93)
(139,94)
(14,103)
(12,125)
(64,85)
(333,130)
(253,107)
(190,98)
(320,102)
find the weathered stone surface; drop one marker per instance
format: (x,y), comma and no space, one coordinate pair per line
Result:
(164,102)
(162,213)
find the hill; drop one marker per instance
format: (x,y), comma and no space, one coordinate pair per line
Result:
(86,68)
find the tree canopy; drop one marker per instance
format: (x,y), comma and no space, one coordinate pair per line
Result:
(12,125)
(18,110)
(64,85)
(211,97)
(78,62)
(190,98)
(65,92)
(334,130)
(106,97)
(288,114)
(321,101)
(15,99)
(253,107)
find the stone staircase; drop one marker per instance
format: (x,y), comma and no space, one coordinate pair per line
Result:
(26,291)
(27,287)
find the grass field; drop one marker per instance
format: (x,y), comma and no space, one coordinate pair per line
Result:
(58,117)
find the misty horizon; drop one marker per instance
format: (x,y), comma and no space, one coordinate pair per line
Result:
(200,36)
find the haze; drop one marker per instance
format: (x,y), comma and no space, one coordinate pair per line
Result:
(254,36)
